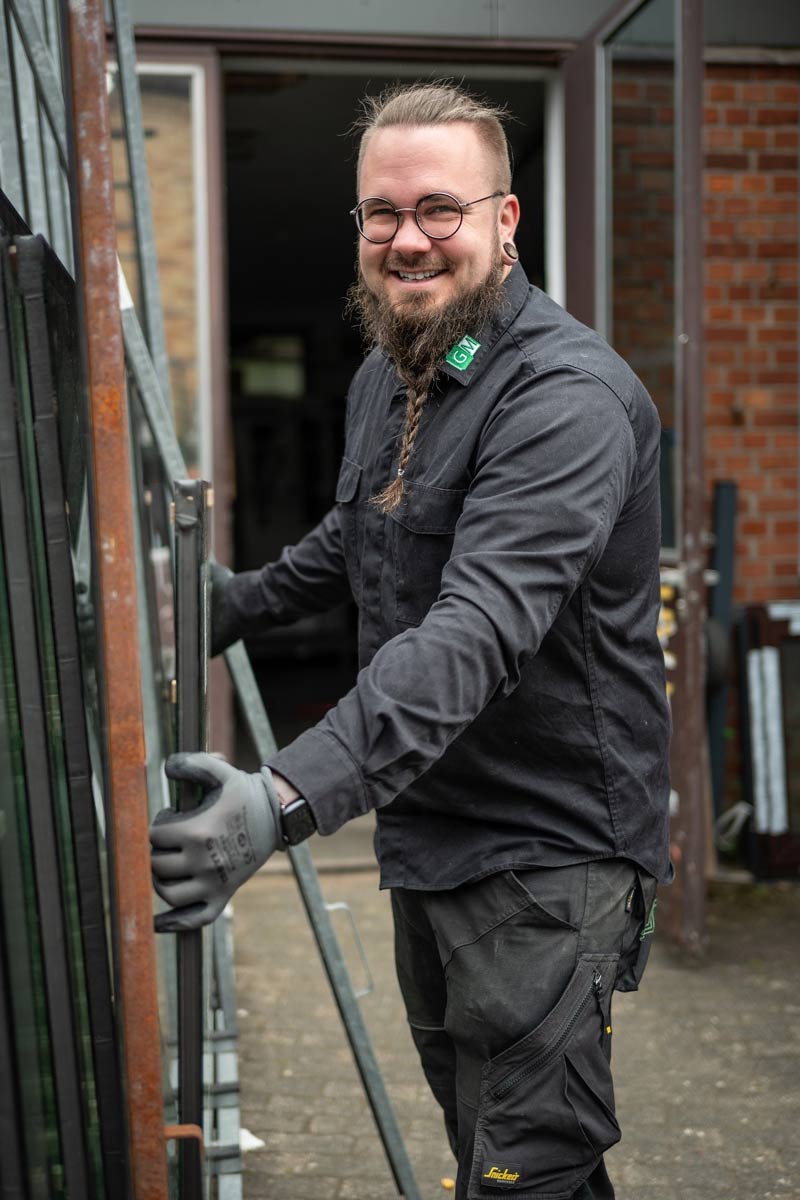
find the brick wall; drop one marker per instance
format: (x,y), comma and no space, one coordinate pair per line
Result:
(642,216)
(752,223)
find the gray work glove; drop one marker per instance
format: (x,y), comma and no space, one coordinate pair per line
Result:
(199,858)
(223,619)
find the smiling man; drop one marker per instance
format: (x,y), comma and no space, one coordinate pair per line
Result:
(497,522)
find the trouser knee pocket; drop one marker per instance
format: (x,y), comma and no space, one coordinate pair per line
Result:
(546,1110)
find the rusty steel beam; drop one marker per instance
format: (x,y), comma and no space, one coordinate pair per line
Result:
(96,264)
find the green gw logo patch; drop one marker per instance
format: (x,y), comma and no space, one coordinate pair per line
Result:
(462,353)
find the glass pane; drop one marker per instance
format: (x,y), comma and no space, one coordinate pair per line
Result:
(19,914)
(169,117)
(47,596)
(640,153)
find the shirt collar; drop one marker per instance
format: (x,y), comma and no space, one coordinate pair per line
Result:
(515,288)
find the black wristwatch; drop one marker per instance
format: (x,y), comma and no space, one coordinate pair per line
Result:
(297,821)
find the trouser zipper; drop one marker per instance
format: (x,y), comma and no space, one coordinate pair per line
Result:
(595,989)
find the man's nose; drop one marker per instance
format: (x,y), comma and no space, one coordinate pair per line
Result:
(409,238)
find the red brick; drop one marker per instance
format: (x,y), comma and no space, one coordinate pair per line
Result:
(739,291)
(753,313)
(778,462)
(737,206)
(760,271)
(787,93)
(754,228)
(782,440)
(726,249)
(787,528)
(776,116)
(786,356)
(780,333)
(782,547)
(737,116)
(722,92)
(755,355)
(718,160)
(724,139)
(789,570)
(785,138)
(754,139)
(624,89)
(775,205)
(754,441)
(755,93)
(720,312)
(784,183)
(775,250)
(727,333)
(774,418)
(777,504)
(776,162)
(753,184)
(753,528)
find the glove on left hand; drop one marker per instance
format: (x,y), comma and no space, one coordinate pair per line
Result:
(200,857)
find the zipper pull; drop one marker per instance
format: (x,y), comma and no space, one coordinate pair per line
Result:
(597,988)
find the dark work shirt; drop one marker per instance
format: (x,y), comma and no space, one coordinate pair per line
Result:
(510,708)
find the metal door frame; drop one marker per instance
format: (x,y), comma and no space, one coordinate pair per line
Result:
(586,220)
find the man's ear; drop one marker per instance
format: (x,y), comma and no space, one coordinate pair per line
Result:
(508,218)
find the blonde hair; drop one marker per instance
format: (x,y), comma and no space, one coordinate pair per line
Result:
(438,103)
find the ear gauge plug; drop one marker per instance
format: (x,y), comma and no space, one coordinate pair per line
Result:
(511,252)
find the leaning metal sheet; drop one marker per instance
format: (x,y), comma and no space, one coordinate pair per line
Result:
(49,301)
(28,1085)
(34,665)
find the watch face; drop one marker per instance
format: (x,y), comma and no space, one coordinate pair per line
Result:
(298,821)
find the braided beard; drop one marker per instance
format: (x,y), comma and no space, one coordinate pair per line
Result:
(415,336)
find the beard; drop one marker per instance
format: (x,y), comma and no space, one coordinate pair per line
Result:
(417,336)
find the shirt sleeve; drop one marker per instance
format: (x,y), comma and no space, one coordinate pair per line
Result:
(310,577)
(555,464)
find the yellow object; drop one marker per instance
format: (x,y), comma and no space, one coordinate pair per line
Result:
(448,1184)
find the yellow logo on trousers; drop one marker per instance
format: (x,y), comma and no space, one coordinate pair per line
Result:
(502,1176)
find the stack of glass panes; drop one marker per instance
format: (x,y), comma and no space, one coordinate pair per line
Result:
(62,1108)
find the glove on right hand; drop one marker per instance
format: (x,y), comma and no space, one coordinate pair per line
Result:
(201,856)
(223,620)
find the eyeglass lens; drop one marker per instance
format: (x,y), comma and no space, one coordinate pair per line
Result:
(438,216)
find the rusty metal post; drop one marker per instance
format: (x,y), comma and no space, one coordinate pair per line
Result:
(684,905)
(96,267)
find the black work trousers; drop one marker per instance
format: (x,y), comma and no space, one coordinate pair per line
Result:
(507,984)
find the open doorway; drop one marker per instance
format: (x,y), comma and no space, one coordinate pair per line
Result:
(291,250)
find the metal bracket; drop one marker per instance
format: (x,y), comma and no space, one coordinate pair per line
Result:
(343,906)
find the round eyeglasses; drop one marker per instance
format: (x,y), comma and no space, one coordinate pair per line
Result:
(439,216)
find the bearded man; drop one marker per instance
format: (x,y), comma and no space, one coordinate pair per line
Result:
(497,522)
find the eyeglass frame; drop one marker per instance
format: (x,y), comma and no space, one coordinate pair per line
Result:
(437,237)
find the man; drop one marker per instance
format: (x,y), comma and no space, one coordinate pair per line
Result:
(497,522)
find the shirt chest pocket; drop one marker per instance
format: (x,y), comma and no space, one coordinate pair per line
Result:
(421,531)
(351,520)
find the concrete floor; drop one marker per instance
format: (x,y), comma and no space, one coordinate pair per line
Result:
(707,1055)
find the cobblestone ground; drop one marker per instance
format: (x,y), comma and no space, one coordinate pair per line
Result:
(707,1057)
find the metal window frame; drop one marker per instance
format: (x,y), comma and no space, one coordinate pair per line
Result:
(47,869)
(191,643)
(37,270)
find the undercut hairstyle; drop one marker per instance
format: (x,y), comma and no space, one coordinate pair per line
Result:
(439,103)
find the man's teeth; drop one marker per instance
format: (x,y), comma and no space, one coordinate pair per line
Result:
(411,276)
